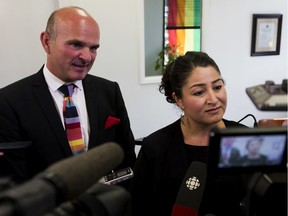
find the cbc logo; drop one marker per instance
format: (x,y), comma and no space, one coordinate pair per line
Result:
(192,183)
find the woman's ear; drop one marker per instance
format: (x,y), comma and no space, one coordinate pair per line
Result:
(178,101)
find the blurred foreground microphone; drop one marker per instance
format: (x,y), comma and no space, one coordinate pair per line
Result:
(62,181)
(191,190)
(99,200)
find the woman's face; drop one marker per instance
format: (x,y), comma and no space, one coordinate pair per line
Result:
(204,97)
(254,147)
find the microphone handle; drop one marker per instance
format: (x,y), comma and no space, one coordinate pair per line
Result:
(7,209)
(191,190)
(33,198)
(99,200)
(65,209)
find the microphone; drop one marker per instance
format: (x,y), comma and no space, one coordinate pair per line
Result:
(191,190)
(82,171)
(99,200)
(62,181)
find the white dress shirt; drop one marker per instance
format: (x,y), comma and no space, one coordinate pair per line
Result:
(78,98)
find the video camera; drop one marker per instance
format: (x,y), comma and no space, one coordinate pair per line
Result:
(267,182)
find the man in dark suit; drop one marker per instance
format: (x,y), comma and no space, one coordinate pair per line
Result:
(31,109)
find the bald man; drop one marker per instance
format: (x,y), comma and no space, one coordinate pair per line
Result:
(31,109)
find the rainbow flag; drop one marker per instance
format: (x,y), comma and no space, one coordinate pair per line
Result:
(184,25)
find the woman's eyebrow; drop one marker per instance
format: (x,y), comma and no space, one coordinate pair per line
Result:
(203,84)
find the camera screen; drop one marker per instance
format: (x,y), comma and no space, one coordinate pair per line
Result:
(245,151)
(248,149)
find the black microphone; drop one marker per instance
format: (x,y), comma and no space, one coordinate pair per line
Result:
(62,181)
(191,190)
(98,200)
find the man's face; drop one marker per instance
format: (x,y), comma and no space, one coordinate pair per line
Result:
(73,52)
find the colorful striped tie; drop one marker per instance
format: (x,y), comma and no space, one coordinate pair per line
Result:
(71,120)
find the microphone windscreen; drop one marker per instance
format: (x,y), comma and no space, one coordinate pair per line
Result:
(191,190)
(80,172)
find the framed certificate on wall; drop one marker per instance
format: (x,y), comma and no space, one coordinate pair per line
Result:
(266,34)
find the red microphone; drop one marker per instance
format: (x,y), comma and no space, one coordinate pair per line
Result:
(191,190)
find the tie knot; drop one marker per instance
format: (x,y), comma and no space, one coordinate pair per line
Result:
(67,90)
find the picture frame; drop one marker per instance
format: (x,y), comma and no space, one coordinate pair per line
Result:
(266,34)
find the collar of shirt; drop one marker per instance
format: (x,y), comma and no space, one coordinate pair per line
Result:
(54,82)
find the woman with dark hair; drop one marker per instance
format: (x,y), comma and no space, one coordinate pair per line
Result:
(253,157)
(193,82)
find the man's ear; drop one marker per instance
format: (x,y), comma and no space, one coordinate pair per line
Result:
(45,40)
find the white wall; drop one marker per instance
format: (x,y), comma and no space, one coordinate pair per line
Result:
(226,37)
(227,30)
(20,25)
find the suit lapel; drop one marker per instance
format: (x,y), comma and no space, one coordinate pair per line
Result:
(46,102)
(92,105)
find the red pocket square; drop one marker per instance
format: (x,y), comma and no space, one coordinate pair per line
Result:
(111,121)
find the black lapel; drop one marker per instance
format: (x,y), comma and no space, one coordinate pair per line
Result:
(47,105)
(92,105)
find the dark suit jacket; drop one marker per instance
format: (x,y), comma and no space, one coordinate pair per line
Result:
(159,171)
(28,112)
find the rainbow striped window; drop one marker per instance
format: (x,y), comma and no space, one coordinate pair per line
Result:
(182,26)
